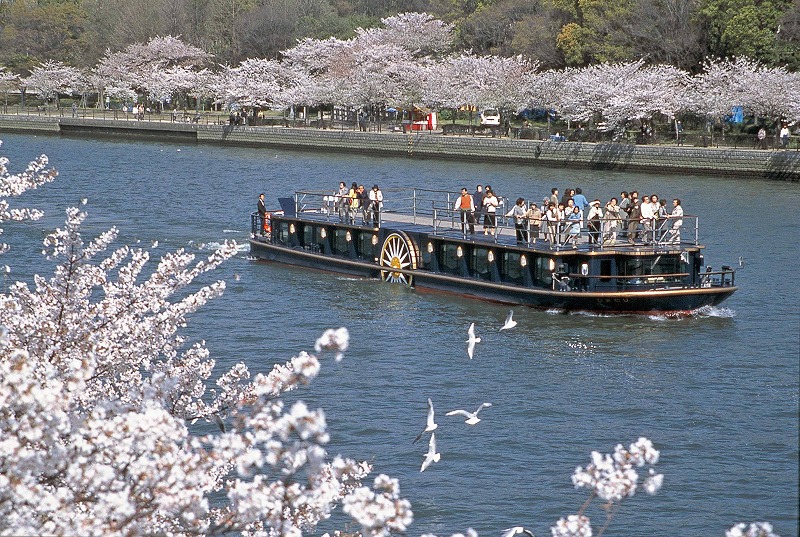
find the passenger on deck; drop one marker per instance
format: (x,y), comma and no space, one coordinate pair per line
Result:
(342,201)
(520,226)
(674,236)
(373,214)
(580,200)
(624,207)
(262,214)
(634,215)
(612,222)
(534,218)
(568,193)
(353,205)
(490,204)
(570,205)
(594,222)
(646,209)
(552,223)
(554,196)
(465,206)
(363,202)
(574,227)
(654,205)
(477,201)
(661,219)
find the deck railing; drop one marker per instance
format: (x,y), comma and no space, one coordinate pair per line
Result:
(436,208)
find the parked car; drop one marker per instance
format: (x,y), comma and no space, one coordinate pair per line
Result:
(490,116)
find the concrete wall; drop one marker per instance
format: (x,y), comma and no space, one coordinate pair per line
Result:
(783,165)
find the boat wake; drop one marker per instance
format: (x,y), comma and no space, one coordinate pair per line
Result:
(215,245)
(700,313)
(231,231)
(714,311)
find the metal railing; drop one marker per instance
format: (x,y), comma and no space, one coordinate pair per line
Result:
(436,208)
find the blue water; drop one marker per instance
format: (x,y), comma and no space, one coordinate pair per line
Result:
(716,392)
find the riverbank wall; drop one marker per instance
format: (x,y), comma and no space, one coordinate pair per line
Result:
(745,163)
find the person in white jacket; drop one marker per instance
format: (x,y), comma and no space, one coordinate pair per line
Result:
(677,221)
(373,213)
(490,204)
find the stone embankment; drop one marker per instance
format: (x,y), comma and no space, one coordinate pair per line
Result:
(782,165)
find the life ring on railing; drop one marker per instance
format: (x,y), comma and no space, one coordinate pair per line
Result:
(267,225)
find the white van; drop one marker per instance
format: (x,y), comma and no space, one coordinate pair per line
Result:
(490,116)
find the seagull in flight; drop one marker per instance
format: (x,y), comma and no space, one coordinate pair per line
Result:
(510,322)
(431,456)
(516,530)
(472,340)
(472,417)
(431,426)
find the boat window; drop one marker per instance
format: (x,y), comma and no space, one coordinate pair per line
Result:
(427,257)
(510,269)
(366,249)
(665,265)
(605,270)
(632,267)
(283,233)
(542,273)
(308,236)
(449,258)
(340,242)
(479,264)
(651,265)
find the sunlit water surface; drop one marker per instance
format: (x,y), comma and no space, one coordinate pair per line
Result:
(717,392)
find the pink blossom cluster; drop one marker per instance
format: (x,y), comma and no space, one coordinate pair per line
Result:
(572,526)
(614,477)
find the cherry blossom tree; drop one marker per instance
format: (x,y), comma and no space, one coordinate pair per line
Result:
(13,185)
(770,92)
(419,33)
(718,89)
(599,91)
(50,78)
(134,67)
(100,395)
(8,81)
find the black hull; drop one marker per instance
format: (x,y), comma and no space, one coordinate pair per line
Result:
(654,301)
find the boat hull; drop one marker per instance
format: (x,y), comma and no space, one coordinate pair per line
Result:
(651,301)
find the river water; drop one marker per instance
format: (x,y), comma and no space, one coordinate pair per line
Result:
(717,392)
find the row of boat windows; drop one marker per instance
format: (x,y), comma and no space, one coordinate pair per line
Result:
(477,261)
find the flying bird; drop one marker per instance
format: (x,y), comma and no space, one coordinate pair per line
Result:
(516,530)
(431,426)
(472,417)
(472,340)
(219,422)
(510,322)
(431,456)
(741,261)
